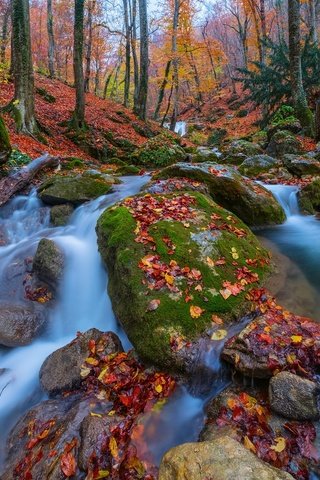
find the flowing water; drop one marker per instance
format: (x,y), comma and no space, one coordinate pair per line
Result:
(83,304)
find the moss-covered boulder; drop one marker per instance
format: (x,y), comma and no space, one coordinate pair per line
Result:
(72,189)
(60,214)
(283,142)
(177,263)
(126,170)
(159,151)
(205,154)
(309,197)
(249,201)
(257,164)
(5,146)
(238,150)
(301,165)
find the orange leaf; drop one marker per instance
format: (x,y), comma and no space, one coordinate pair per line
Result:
(68,464)
(195,311)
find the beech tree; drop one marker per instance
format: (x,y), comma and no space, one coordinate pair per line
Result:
(22,68)
(79,112)
(141,106)
(50,38)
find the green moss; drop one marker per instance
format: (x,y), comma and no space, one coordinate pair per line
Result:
(150,332)
(74,162)
(46,95)
(309,197)
(128,170)
(159,151)
(5,146)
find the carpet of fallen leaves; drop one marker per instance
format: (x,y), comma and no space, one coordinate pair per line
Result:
(287,341)
(132,391)
(101,115)
(289,450)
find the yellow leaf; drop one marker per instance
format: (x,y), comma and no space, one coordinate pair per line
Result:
(113,447)
(249,445)
(219,334)
(102,474)
(195,311)
(210,262)
(291,358)
(92,361)
(296,338)
(95,414)
(84,372)
(169,279)
(226,293)
(158,388)
(280,444)
(234,253)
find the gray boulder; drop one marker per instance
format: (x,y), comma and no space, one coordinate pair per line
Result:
(294,397)
(300,165)
(19,324)
(283,142)
(60,214)
(48,263)
(257,164)
(61,370)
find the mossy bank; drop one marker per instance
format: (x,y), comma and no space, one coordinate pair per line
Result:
(171,261)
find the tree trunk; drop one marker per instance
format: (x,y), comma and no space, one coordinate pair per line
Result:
(298,94)
(263,30)
(22,67)
(11,185)
(175,66)
(4,33)
(127,55)
(79,112)
(313,21)
(134,54)
(51,47)
(5,146)
(141,107)
(162,90)
(91,6)
(317,122)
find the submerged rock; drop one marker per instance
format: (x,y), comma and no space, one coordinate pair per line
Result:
(48,263)
(221,459)
(294,397)
(60,214)
(248,200)
(309,197)
(171,260)
(61,370)
(74,190)
(19,324)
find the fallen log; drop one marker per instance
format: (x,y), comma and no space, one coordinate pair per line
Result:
(19,180)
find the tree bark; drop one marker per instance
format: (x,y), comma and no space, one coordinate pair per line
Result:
(5,146)
(23,68)
(313,21)
(51,46)
(298,94)
(141,107)
(4,33)
(127,54)
(162,90)
(134,54)
(11,185)
(91,7)
(317,122)
(175,66)
(79,112)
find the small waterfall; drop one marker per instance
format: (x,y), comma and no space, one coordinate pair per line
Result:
(180,128)
(287,197)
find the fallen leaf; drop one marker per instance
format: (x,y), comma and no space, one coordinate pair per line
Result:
(153,305)
(68,464)
(219,334)
(195,311)
(280,444)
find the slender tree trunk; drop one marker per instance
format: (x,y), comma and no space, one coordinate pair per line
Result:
(162,90)
(317,122)
(175,66)
(263,30)
(22,67)
(127,54)
(4,33)
(5,146)
(144,61)
(313,21)
(51,46)
(298,94)
(79,112)
(134,54)
(91,6)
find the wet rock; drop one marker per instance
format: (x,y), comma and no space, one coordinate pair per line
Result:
(249,201)
(145,301)
(61,370)
(74,190)
(222,459)
(257,164)
(19,324)
(48,263)
(159,151)
(309,197)
(60,214)
(301,165)
(93,436)
(205,154)
(61,420)
(294,397)
(283,142)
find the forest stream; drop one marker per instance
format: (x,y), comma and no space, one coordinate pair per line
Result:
(83,304)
